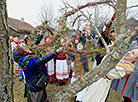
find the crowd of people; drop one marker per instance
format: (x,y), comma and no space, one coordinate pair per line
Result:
(52,65)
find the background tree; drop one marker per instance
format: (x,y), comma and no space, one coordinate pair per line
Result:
(6,74)
(46,14)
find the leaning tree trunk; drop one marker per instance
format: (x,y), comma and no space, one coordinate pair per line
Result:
(6,85)
(108,63)
(101,70)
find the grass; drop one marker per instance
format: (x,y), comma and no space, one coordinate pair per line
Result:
(52,90)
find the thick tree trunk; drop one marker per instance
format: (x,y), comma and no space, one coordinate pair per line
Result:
(110,60)
(108,63)
(6,83)
(120,17)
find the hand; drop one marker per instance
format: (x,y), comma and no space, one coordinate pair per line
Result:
(41,32)
(137,84)
(59,49)
(88,27)
(108,22)
(88,32)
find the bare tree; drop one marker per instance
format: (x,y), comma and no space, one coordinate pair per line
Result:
(6,76)
(47,14)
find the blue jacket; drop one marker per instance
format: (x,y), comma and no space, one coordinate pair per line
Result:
(33,69)
(127,85)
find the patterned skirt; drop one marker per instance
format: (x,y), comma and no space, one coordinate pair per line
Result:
(62,70)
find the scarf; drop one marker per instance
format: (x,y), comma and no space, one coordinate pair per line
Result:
(25,61)
(19,53)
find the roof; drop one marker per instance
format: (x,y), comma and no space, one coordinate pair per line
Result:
(19,25)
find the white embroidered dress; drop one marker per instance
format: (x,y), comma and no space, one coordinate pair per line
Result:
(97,92)
(51,67)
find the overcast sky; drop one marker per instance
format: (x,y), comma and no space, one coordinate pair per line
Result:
(29,9)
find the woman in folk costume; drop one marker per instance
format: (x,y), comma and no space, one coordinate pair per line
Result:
(98,91)
(83,58)
(128,85)
(34,70)
(14,43)
(20,69)
(50,64)
(78,68)
(61,66)
(76,40)
(88,45)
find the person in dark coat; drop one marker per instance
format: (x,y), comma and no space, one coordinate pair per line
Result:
(101,45)
(83,37)
(34,70)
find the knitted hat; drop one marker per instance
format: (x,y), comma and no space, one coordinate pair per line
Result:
(47,37)
(80,43)
(19,52)
(76,39)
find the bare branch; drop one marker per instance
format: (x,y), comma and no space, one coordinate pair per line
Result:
(69,13)
(76,20)
(132,6)
(96,29)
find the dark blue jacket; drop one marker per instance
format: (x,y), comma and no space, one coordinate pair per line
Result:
(33,69)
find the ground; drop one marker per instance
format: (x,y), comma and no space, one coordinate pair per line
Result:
(52,90)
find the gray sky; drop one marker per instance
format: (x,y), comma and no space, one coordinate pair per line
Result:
(29,9)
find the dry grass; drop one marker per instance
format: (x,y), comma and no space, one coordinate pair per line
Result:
(52,90)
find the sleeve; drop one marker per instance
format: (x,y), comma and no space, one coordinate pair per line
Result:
(46,58)
(89,37)
(116,73)
(132,45)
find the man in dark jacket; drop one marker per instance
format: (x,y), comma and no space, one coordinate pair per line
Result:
(83,37)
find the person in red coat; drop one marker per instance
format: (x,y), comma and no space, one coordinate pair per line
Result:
(61,66)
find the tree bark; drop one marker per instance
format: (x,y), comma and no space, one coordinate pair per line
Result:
(109,61)
(101,70)
(6,75)
(120,17)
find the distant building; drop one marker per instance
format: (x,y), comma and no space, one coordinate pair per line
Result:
(18,25)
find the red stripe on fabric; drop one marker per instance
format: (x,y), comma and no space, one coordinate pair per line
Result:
(64,80)
(127,78)
(61,74)
(51,71)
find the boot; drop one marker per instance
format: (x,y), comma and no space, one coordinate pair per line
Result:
(63,83)
(60,83)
